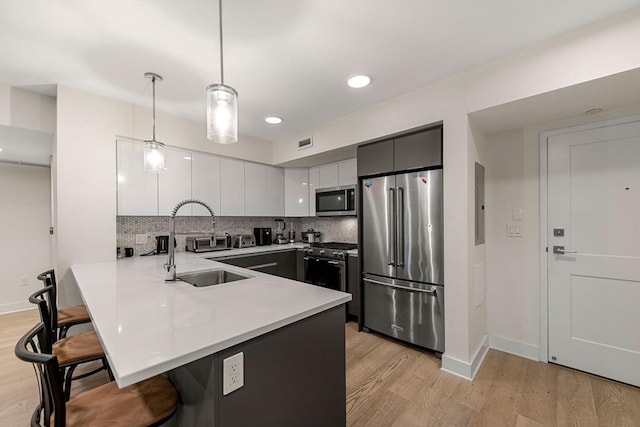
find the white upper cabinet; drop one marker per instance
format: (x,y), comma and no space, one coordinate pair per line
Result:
(174,183)
(328,175)
(255,186)
(347,172)
(205,183)
(314,182)
(275,191)
(296,192)
(231,187)
(137,189)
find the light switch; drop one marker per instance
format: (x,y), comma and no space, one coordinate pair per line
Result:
(514,230)
(517,214)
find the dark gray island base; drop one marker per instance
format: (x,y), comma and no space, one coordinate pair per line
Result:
(293,376)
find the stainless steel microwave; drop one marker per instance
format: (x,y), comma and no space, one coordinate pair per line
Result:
(336,201)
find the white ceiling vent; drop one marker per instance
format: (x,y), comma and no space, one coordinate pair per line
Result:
(305,143)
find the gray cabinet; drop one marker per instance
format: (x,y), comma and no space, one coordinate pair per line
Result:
(282,264)
(353,285)
(414,151)
(300,265)
(375,158)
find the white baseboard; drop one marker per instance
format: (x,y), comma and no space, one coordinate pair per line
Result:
(528,351)
(466,370)
(16,306)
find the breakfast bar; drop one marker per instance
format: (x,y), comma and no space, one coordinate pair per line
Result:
(290,335)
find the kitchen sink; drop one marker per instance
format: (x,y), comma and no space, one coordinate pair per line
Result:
(210,277)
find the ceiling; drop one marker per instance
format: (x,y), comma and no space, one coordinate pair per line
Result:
(286,58)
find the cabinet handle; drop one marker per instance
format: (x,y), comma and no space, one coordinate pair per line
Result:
(405,288)
(255,267)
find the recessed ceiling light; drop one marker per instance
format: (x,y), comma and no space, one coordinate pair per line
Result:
(273,120)
(0,149)
(359,81)
(187,157)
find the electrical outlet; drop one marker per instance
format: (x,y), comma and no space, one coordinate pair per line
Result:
(232,373)
(141,239)
(24,281)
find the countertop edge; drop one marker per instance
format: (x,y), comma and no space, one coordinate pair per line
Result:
(126,380)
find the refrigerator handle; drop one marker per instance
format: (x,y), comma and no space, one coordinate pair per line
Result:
(400,228)
(391,247)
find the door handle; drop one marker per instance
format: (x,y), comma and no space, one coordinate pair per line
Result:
(391,260)
(560,250)
(400,229)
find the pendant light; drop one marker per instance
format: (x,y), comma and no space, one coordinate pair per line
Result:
(153,150)
(222,105)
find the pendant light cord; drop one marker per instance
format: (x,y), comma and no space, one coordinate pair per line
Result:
(221,55)
(153,82)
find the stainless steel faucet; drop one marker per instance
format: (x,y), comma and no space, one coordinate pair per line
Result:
(170,266)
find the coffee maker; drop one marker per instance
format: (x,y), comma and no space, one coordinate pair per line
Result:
(280,227)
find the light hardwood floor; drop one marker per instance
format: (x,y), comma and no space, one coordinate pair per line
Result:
(391,384)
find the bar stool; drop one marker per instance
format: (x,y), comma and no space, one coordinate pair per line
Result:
(71,351)
(66,317)
(147,403)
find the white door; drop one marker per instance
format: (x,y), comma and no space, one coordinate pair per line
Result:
(594,287)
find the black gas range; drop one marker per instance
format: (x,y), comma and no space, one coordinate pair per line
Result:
(330,250)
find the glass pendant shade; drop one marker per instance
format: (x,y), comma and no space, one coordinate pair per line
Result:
(222,114)
(153,156)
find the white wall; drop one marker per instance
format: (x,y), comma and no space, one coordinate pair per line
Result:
(601,49)
(477,301)
(513,263)
(25,243)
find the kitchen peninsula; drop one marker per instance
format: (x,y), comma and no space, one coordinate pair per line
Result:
(291,335)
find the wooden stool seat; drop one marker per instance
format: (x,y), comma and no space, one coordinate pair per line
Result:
(78,348)
(147,403)
(75,315)
(64,318)
(142,404)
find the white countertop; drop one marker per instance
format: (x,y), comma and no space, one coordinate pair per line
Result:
(147,326)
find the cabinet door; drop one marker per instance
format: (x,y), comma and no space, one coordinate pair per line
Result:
(328,175)
(353,285)
(287,265)
(137,189)
(275,191)
(419,150)
(347,174)
(300,265)
(375,158)
(296,192)
(314,183)
(254,189)
(174,183)
(205,183)
(231,187)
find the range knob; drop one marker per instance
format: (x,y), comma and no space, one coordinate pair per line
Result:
(338,254)
(321,252)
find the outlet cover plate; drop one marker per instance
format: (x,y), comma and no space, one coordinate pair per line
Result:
(141,239)
(232,373)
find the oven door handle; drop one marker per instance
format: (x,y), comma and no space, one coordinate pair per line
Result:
(405,288)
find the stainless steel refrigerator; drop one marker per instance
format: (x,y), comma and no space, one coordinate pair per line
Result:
(403,257)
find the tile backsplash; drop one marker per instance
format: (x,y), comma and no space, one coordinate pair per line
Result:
(333,229)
